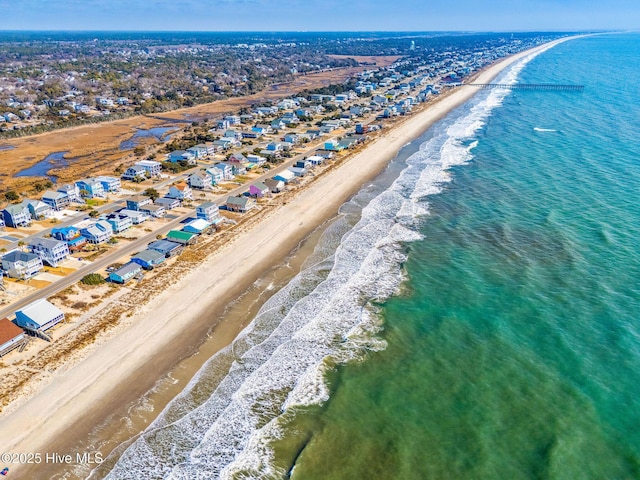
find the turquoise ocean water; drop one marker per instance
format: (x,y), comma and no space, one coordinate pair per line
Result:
(473,314)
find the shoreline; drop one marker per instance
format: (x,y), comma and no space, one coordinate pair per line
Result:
(141,353)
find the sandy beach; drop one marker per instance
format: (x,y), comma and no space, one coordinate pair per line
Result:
(124,368)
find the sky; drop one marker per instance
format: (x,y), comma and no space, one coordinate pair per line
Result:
(320,15)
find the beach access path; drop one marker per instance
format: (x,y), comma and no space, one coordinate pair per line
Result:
(47,421)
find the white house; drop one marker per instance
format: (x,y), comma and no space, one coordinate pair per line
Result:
(180,191)
(21,265)
(200,180)
(152,167)
(208,211)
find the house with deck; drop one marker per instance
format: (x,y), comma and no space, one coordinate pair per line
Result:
(152,167)
(91,188)
(50,250)
(182,237)
(22,265)
(72,191)
(225,169)
(37,209)
(181,191)
(154,211)
(275,186)
(11,336)
(209,212)
(135,173)
(285,175)
(39,315)
(148,259)
(137,202)
(256,159)
(200,181)
(125,273)
(197,226)
(71,235)
(56,200)
(16,215)
(97,232)
(216,175)
(199,151)
(166,247)
(258,190)
(118,221)
(240,204)
(110,184)
(182,156)
(167,202)
(136,217)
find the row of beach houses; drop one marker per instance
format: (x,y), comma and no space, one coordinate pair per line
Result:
(41,315)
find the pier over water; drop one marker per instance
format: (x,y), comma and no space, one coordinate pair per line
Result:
(528,86)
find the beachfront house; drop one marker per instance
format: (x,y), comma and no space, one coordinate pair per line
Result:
(90,188)
(39,315)
(16,216)
(37,209)
(56,200)
(50,250)
(97,232)
(152,167)
(181,191)
(200,181)
(148,259)
(110,184)
(136,217)
(298,172)
(258,190)
(315,160)
(135,173)
(240,204)
(197,226)
(71,235)
(11,336)
(118,221)
(137,202)
(166,247)
(208,211)
(285,175)
(22,265)
(125,273)
(182,237)
(275,185)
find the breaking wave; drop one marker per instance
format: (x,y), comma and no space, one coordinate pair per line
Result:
(222,424)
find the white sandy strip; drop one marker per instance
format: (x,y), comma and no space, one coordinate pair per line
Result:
(49,412)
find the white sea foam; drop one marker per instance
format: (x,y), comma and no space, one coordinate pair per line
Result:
(538,129)
(222,424)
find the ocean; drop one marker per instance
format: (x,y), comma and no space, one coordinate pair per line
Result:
(471,314)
